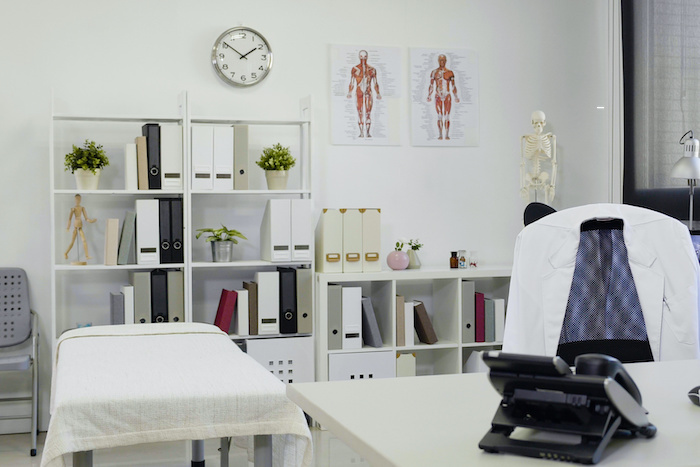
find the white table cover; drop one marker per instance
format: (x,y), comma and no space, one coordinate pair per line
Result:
(144,383)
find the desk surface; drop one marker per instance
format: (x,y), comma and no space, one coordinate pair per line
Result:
(439,420)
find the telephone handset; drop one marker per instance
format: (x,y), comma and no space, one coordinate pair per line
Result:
(542,393)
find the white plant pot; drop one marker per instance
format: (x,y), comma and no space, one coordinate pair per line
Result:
(276,179)
(86,180)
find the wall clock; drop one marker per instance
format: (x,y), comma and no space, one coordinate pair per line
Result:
(241,56)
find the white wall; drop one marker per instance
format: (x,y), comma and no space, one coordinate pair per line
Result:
(135,56)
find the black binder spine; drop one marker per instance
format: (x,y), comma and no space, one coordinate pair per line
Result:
(177,248)
(152,133)
(165,239)
(288,300)
(159,296)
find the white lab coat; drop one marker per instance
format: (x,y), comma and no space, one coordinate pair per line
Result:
(663,263)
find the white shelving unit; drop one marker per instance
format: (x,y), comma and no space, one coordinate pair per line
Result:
(439,289)
(80,294)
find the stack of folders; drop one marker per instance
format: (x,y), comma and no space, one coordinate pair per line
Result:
(483,318)
(276,302)
(285,231)
(412,320)
(352,320)
(348,240)
(219,157)
(152,234)
(154,160)
(151,297)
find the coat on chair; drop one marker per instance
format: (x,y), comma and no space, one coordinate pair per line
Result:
(664,266)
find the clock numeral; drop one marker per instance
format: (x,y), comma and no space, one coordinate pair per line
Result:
(243,78)
(253,75)
(242,35)
(263,57)
(225,46)
(252,38)
(261,68)
(260,46)
(225,67)
(233,73)
(221,56)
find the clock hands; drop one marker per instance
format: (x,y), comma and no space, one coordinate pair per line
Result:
(244,56)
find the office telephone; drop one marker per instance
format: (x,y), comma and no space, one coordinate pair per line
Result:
(541,393)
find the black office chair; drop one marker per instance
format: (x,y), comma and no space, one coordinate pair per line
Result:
(19,325)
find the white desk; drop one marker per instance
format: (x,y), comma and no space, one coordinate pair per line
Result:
(439,420)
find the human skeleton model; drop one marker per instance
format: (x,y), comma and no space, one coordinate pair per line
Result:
(538,150)
(76,213)
(441,79)
(363,77)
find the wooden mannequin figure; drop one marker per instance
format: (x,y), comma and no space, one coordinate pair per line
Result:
(78,211)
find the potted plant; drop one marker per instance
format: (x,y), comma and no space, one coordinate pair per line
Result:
(397,259)
(86,163)
(276,162)
(413,261)
(222,241)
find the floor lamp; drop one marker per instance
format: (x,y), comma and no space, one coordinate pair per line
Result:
(688,167)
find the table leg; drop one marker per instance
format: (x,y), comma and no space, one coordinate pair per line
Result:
(225,443)
(263,450)
(197,453)
(82,459)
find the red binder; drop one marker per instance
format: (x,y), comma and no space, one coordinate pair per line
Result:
(224,314)
(479,317)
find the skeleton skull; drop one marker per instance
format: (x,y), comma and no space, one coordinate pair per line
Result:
(538,121)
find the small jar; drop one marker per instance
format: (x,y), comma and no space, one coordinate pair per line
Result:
(454,261)
(462,260)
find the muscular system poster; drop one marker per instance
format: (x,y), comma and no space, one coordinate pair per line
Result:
(444,97)
(365,92)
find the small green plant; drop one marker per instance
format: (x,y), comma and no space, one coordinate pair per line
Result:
(415,244)
(90,157)
(224,234)
(399,246)
(276,158)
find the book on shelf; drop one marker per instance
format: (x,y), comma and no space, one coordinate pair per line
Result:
(468,327)
(177,232)
(224,312)
(223,158)
(423,325)
(479,317)
(305,305)
(268,301)
(240,157)
(159,296)
(152,133)
(408,320)
(111,241)
(127,240)
(241,324)
(142,162)
(116,308)
(400,322)
(171,156)
(147,231)
(335,317)
(252,288)
(176,296)
(500,318)
(164,231)
(370,328)
(288,300)
(131,170)
(489,320)
(141,282)
(128,293)
(352,317)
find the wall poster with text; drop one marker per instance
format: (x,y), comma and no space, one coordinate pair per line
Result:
(444,97)
(365,93)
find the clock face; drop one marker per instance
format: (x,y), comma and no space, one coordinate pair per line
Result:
(241,56)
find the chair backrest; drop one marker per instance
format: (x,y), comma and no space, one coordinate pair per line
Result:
(15,314)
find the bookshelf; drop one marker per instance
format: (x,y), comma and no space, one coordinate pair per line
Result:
(80,294)
(441,292)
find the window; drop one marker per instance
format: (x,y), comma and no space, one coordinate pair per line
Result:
(661,61)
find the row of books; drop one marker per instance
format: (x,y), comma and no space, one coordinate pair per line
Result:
(352,321)
(154,160)
(152,234)
(276,302)
(483,318)
(219,157)
(155,296)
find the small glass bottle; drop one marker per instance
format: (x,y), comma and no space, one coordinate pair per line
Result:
(454,261)
(462,260)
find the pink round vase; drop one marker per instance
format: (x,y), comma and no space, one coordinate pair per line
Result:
(397,260)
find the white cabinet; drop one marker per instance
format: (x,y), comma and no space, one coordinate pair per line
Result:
(80,293)
(441,292)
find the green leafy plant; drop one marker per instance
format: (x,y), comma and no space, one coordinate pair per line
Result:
(399,246)
(90,157)
(415,244)
(224,234)
(276,157)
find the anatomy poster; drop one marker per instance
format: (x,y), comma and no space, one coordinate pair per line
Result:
(444,97)
(365,93)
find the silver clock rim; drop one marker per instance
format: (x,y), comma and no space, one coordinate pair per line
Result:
(222,75)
